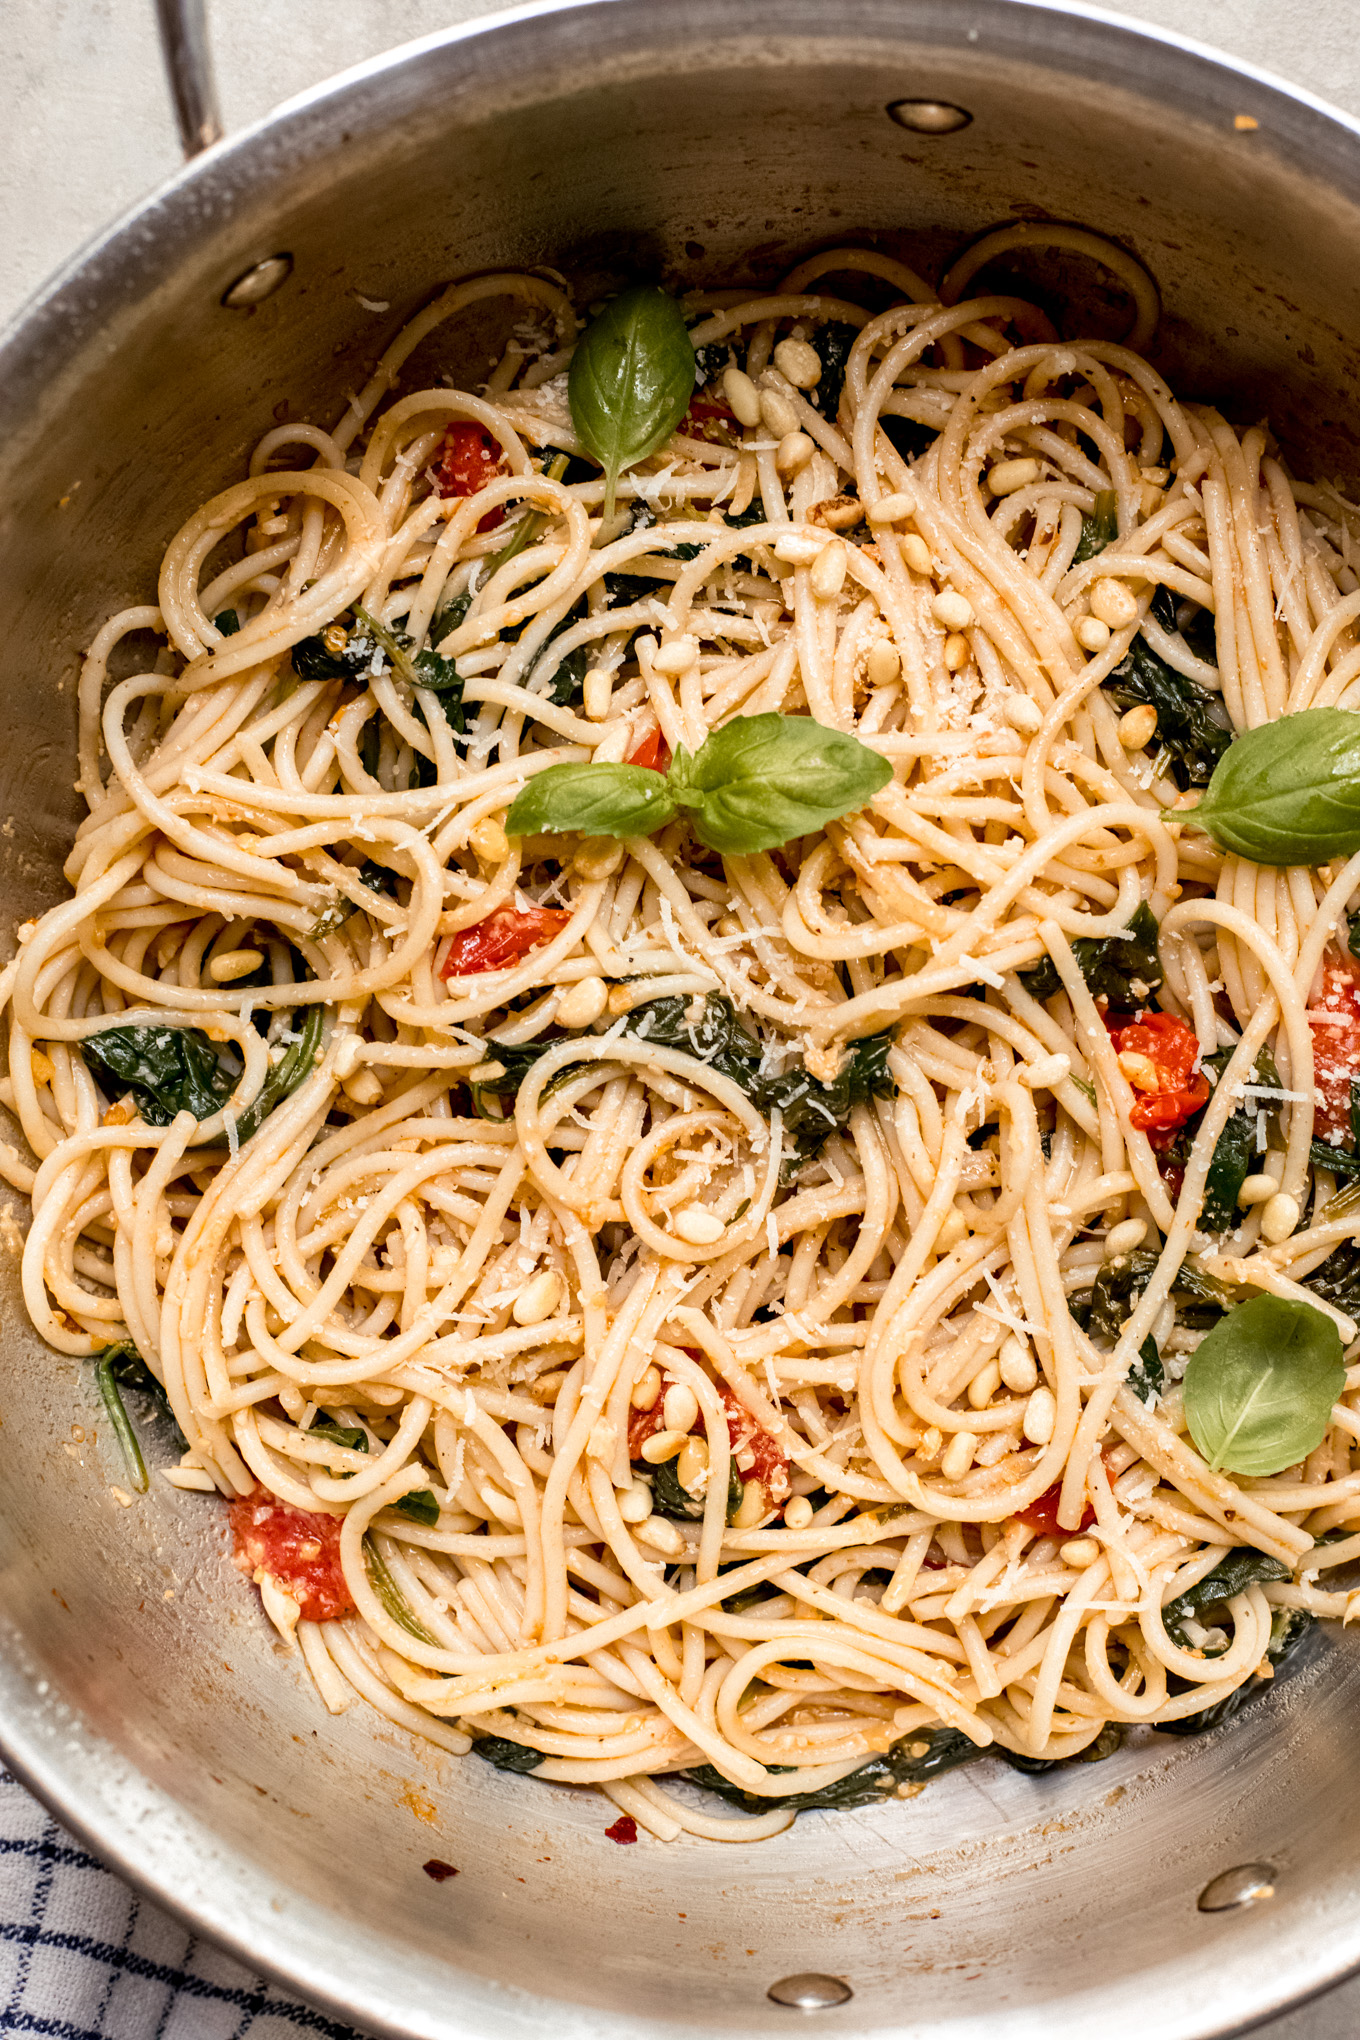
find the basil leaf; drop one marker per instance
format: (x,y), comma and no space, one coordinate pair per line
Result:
(630,381)
(1260,1386)
(1098,530)
(167,1070)
(1188,730)
(1124,969)
(761,780)
(1288,792)
(421,1506)
(599,800)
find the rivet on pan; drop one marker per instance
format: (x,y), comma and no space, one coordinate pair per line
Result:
(810,1993)
(1246,1885)
(930,116)
(258,283)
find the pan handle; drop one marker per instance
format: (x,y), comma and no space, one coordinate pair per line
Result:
(189,68)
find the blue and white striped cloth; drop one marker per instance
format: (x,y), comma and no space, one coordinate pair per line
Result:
(82,1957)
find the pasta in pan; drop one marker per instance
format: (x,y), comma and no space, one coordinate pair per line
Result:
(791,1256)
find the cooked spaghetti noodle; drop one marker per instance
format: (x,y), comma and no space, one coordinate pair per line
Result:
(714,1312)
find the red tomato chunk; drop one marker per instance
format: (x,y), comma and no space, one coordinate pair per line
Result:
(1167,1050)
(297,1548)
(1334,1021)
(502,938)
(623,1830)
(653,752)
(468,459)
(1042,1514)
(747,1440)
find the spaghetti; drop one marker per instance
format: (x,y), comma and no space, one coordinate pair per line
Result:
(659,1312)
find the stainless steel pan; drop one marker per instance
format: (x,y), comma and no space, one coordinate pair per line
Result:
(140,1693)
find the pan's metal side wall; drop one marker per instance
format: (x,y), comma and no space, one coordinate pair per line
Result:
(139,1687)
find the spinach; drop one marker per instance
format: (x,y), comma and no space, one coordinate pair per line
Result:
(710,360)
(1260,1386)
(1337,1281)
(908,436)
(1105,1308)
(122,1425)
(876,1779)
(557,466)
(670,1499)
(391,1596)
(630,381)
(812,1110)
(1289,1628)
(121,1366)
(1098,530)
(1195,626)
(286,1075)
(421,1506)
(1232,1157)
(167,1070)
(1188,729)
(1341,1161)
(1124,969)
(1110,1739)
(1233,1574)
(376,877)
(832,342)
(507,1755)
(228,622)
(367,639)
(348,1437)
(1147,1377)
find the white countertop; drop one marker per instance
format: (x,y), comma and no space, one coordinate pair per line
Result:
(88,129)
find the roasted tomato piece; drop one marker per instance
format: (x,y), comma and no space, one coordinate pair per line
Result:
(1334,1020)
(653,752)
(468,459)
(708,419)
(1158,1055)
(299,1549)
(757,1454)
(503,937)
(1042,1514)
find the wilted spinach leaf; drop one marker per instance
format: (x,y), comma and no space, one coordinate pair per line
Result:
(908,436)
(292,1069)
(421,1506)
(1110,1739)
(1098,530)
(1187,728)
(1288,1629)
(670,1499)
(167,1070)
(1233,1574)
(1147,1377)
(812,1110)
(878,1778)
(1231,1164)
(507,1755)
(1337,1281)
(833,342)
(1124,969)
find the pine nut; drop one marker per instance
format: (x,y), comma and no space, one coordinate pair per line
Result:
(797,1513)
(538,1299)
(233,964)
(698,1226)
(598,690)
(890,509)
(635,1502)
(984,1385)
(793,452)
(798,363)
(1023,714)
(676,658)
(646,1389)
(581,1004)
(883,664)
(489,840)
(1279,1217)
(956,652)
(663,1445)
(691,1467)
(364,1087)
(1092,635)
(1079,1552)
(1138,727)
(958,1455)
(597,857)
(797,548)
(662,1535)
(1019,1368)
(743,398)
(916,552)
(1141,1071)
(752,1506)
(1123,1238)
(952,610)
(1256,1190)
(1009,475)
(1041,1413)
(620,999)
(777,414)
(828,571)
(1112,603)
(953,1228)
(486,1072)
(680,1408)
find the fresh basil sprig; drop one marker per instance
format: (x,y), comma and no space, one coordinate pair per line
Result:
(757,782)
(1288,792)
(1260,1386)
(630,381)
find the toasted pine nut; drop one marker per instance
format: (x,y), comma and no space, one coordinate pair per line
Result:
(233,964)
(677,657)
(597,690)
(890,509)
(635,1502)
(1256,1190)
(662,1535)
(680,1408)
(1279,1217)
(538,1299)
(1023,714)
(952,610)
(958,1455)
(777,414)
(698,1226)
(1092,635)
(646,1389)
(1141,1071)
(798,363)
(663,1445)
(984,1385)
(1041,1413)
(917,553)
(793,452)
(1138,727)
(742,396)
(489,840)
(797,548)
(692,1464)
(1009,475)
(597,857)
(1019,1368)
(828,571)
(1112,603)
(1121,1239)
(882,667)
(956,652)
(582,1003)
(1079,1551)
(797,1513)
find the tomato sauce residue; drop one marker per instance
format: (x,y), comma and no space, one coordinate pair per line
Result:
(623,1830)
(1172,1048)
(297,1548)
(1334,1022)
(503,937)
(653,752)
(765,1462)
(468,459)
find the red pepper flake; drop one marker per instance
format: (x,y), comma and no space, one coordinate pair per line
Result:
(297,1547)
(502,938)
(441,1872)
(623,1830)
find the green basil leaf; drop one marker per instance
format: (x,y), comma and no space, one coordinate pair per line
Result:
(167,1070)
(1288,792)
(1260,1386)
(630,381)
(389,1593)
(1098,530)
(421,1507)
(761,780)
(599,800)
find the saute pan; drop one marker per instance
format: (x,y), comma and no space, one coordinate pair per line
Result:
(1182,1888)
